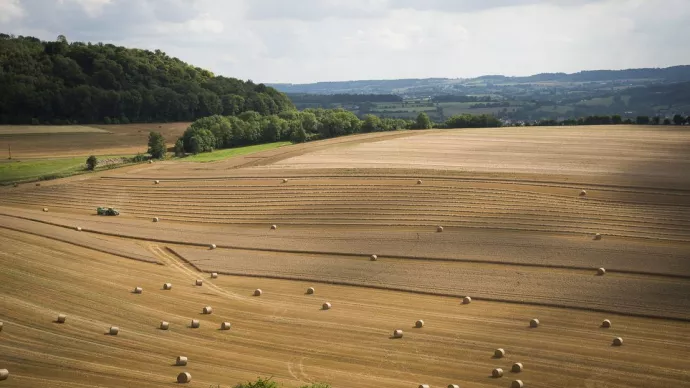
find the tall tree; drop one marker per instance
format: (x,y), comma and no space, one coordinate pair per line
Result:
(423,121)
(157,147)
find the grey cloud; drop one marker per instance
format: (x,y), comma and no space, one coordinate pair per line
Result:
(313,10)
(477,5)
(118,20)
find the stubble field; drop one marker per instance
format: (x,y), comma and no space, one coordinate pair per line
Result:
(517,237)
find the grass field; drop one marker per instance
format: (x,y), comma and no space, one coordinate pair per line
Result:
(11,171)
(232,152)
(517,237)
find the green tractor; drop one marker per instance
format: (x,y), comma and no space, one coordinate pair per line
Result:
(107,211)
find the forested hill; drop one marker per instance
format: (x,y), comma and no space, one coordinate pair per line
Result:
(64,83)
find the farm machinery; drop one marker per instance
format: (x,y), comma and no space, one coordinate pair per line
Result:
(107,211)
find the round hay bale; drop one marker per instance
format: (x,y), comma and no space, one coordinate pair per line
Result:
(138,290)
(212,246)
(208,310)
(199,282)
(225,326)
(78,228)
(517,367)
(499,353)
(326,306)
(496,373)
(4,374)
(310,290)
(274,227)
(597,236)
(419,182)
(61,318)
(214,275)
(534,323)
(258,292)
(1,326)
(150,161)
(517,384)
(466,300)
(195,324)
(373,258)
(285,180)
(16,185)
(453,386)
(164,325)
(167,286)
(397,333)
(113,330)
(439,229)
(606,324)
(601,271)
(38,184)
(156,182)
(419,324)
(181,361)
(618,341)
(583,193)
(45,209)
(156,219)
(184,378)
(423,385)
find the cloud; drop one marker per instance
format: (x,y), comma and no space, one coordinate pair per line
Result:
(319,40)
(10,10)
(316,9)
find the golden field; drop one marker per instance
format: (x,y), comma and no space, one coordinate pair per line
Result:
(517,237)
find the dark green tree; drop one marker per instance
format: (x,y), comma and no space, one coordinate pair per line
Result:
(372,124)
(642,120)
(423,121)
(656,120)
(157,147)
(678,120)
(91,163)
(179,148)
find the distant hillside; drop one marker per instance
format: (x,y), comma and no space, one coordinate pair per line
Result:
(436,86)
(62,83)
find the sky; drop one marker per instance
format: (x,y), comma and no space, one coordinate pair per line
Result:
(301,41)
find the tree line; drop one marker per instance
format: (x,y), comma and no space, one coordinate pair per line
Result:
(216,132)
(82,83)
(617,119)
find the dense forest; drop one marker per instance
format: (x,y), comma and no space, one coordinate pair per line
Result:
(68,83)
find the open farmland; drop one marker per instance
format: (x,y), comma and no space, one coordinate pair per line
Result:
(517,237)
(30,142)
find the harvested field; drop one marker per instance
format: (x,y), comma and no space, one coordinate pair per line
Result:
(284,334)
(47,129)
(663,297)
(69,141)
(517,237)
(618,153)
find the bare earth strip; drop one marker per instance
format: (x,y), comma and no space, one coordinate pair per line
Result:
(126,249)
(528,249)
(665,298)
(285,334)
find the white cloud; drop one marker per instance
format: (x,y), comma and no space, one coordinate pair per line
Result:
(10,10)
(93,8)
(320,40)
